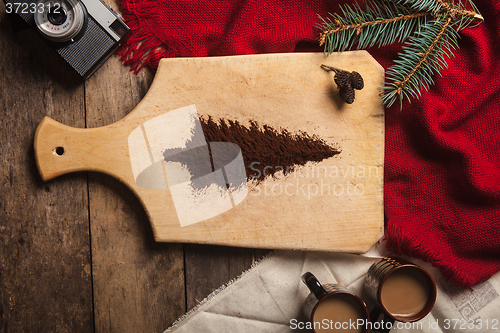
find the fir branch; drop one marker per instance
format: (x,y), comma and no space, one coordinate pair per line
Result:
(461,16)
(423,56)
(460,11)
(373,26)
(437,6)
(358,26)
(430,27)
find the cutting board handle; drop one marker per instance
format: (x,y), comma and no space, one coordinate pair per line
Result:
(61,149)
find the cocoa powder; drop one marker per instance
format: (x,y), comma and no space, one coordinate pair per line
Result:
(267,150)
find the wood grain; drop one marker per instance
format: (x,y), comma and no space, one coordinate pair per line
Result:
(55,274)
(77,253)
(331,205)
(82,244)
(138,283)
(45,268)
(208,267)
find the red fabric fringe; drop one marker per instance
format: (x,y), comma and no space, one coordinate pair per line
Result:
(142,48)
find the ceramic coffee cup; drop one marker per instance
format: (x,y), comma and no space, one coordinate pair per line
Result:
(331,307)
(404,291)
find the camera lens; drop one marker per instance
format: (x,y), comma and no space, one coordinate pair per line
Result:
(56,16)
(60,20)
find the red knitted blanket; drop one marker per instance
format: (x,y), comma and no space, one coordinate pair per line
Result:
(442,171)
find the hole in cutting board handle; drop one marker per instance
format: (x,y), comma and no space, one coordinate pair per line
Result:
(59,151)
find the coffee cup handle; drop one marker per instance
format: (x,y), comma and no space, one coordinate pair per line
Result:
(314,286)
(378,314)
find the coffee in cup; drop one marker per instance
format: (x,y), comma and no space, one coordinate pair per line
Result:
(332,308)
(404,291)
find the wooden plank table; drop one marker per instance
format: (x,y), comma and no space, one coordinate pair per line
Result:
(77,253)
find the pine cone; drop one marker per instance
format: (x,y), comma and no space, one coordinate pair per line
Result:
(346,83)
(347,94)
(356,81)
(342,79)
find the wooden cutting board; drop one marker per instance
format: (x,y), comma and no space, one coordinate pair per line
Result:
(259,178)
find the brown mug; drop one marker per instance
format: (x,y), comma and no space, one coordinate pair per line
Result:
(404,291)
(332,307)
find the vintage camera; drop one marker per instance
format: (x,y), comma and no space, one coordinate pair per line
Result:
(85,33)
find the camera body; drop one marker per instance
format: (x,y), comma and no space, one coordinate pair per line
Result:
(85,33)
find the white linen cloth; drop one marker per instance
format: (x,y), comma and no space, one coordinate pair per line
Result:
(269,297)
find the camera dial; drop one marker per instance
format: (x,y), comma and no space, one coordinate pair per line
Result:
(60,20)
